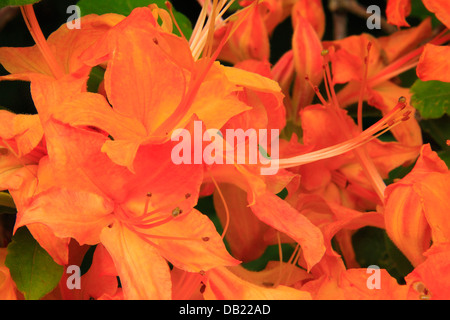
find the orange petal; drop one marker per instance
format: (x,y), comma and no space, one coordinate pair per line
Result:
(354,284)
(69,214)
(312,10)
(441,8)
(143,273)
(24,129)
(434,63)
(192,255)
(222,284)
(416,206)
(277,213)
(430,279)
(397,11)
(308,62)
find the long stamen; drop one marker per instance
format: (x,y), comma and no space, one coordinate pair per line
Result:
(363,87)
(169,7)
(36,32)
(386,123)
(227,212)
(280,255)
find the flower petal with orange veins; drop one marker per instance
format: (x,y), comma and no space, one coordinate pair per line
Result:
(199,248)
(441,8)
(249,41)
(90,109)
(416,207)
(397,11)
(143,273)
(222,284)
(434,63)
(308,62)
(311,10)
(277,213)
(68,213)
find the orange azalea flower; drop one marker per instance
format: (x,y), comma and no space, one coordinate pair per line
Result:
(134,86)
(416,207)
(369,78)
(57,56)
(259,192)
(142,219)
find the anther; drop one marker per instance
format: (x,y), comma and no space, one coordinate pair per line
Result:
(402,99)
(391,122)
(324,52)
(205,239)
(149,194)
(202,273)
(176,212)
(155,41)
(187,195)
(202,288)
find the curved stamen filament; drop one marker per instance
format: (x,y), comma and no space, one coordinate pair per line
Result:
(393,118)
(36,32)
(227,212)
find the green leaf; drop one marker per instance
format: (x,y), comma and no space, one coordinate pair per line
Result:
(438,130)
(5,3)
(95,78)
(32,268)
(445,156)
(431,98)
(125,7)
(373,247)
(418,10)
(6,200)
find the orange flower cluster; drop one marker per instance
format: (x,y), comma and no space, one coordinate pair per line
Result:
(96,168)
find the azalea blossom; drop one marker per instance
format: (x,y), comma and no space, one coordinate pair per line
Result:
(138,184)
